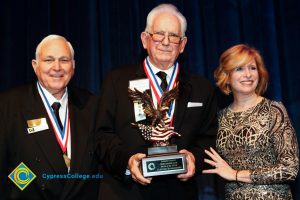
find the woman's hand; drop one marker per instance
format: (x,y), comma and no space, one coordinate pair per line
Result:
(221,167)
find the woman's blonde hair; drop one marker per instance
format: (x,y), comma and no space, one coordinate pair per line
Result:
(236,56)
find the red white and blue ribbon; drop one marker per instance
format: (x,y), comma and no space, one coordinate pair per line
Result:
(155,87)
(62,136)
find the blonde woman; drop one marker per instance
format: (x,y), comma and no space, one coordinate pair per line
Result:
(257,149)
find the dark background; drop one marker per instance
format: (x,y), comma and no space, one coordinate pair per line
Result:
(106,34)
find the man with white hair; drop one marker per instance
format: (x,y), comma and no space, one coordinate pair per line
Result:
(193,116)
(47,132)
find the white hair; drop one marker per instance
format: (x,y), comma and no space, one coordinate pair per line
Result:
(53,37)
(166,8)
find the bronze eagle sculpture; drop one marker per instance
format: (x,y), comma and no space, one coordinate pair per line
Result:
(159,115)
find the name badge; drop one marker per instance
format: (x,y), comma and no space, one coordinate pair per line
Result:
(36,125)
(141,85)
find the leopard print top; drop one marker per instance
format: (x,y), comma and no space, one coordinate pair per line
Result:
(262,140)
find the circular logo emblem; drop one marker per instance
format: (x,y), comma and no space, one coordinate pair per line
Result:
(151,166)
(21,176)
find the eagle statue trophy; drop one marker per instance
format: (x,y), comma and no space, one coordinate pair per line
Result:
(159,131)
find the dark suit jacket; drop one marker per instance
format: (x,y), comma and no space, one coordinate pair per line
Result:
(118,140)
(40,151)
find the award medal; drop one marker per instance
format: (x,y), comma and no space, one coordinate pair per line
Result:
(155,87)
(62,136)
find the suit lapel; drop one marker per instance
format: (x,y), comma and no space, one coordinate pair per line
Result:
(140,73)
(182,101)
(79,139)
(46,139)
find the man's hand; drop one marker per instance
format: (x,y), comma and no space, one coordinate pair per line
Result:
(134,167)
(190,159)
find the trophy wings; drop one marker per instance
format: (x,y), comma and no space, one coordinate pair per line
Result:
(167,98)
(159,115)
(146,100)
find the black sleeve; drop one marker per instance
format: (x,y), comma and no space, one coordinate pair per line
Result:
(109,146)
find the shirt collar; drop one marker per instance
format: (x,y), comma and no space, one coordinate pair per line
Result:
(156,69)
(51,99)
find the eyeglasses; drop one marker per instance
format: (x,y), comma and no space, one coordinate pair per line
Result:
(160,36)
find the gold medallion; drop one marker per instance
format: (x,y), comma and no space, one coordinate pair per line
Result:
(67,160)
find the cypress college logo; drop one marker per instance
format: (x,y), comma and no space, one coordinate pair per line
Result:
(22,176)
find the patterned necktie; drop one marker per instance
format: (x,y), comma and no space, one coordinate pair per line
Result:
(163,77)
(56,106)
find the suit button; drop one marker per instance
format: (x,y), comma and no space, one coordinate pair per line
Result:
(37,159)
(43,186)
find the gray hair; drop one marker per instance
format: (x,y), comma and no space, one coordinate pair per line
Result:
(53,37)
(166,8)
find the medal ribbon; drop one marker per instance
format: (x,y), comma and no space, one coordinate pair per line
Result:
(62,136)
(155,87)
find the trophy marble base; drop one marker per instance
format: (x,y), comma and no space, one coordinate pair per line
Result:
(163,161)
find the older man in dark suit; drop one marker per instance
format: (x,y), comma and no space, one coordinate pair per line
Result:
(48,128)
(193,115)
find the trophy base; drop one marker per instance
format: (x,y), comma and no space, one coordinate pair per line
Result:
(162,150)
(163,161)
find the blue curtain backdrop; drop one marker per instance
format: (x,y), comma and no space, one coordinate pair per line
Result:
(106,35)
